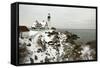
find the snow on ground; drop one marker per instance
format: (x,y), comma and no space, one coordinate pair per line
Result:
(49,46)
(86,53)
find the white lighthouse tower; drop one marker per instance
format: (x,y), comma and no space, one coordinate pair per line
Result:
(49,20)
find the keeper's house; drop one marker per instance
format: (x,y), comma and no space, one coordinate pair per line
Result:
(24,32)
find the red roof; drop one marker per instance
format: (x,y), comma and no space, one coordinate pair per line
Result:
(23,29)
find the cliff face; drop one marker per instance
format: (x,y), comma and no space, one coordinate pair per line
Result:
(52,46)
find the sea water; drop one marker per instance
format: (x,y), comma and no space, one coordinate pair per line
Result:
(85,35)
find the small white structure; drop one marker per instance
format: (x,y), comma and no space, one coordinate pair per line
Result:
(42,24)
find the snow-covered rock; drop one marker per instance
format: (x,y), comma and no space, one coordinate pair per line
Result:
(52,46)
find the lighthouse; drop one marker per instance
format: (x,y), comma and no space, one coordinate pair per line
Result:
(49,20)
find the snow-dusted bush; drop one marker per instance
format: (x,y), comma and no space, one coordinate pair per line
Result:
(53,46)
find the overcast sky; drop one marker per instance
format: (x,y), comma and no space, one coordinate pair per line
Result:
(61,17)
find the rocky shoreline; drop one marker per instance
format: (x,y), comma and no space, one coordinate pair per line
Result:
(53,46)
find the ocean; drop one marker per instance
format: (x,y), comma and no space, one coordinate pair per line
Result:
(85,35)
